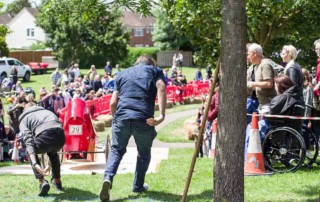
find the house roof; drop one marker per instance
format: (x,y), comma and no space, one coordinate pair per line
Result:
(130,19)
(33,11)
(5,18)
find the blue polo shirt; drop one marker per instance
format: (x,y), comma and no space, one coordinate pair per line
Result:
(137,91)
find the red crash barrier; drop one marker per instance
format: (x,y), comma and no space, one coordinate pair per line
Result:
(100,106)
(104,104)
(201,88)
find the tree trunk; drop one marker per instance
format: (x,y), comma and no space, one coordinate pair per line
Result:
(229,160)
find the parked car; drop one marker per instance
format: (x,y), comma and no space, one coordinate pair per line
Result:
(38,67)
(24,71)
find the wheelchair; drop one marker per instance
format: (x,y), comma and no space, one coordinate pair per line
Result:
(284,148)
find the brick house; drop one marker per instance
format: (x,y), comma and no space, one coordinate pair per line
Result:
(141,29)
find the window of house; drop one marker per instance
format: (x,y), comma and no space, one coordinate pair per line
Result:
(138,32)
(30,32)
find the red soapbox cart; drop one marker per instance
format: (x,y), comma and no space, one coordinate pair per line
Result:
(79,132)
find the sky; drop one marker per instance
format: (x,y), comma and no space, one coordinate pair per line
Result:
(10,1)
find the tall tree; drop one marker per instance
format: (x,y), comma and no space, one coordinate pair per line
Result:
(228,169)
(164,34)
(16,6)
(88,30)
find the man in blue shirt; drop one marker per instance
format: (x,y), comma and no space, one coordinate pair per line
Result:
(199,75)
(132,108)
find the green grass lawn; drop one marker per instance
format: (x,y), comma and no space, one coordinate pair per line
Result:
(174,132)
(168,184)
(170,133)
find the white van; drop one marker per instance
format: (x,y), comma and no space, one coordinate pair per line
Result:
(24,71)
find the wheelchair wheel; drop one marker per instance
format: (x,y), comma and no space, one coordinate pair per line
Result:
(108,147)
(313,149)
(284,150)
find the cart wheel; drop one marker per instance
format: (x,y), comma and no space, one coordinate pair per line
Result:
(60,153)
(108,146)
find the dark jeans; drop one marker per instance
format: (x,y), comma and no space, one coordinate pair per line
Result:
(143,135)
(50,141)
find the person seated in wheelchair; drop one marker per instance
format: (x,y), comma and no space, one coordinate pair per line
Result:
(287,102)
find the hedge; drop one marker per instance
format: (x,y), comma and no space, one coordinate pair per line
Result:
(134,53)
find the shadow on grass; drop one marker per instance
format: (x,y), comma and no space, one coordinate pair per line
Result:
(162,196)
(305,169)
(74,194)
(10,163)
(309,191)
(4,164)
(27,82)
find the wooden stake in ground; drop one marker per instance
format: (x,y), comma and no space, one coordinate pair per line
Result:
(200,135)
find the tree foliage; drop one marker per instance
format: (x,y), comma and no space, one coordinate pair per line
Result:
(270,23)
(16,6)
(85,30)
(164,34)
(199,21)
(276,23)
(140,6)
(4,30)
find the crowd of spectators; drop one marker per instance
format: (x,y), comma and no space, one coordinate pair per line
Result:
(66,85)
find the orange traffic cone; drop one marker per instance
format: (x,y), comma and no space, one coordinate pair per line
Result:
(15,152)
(214,137)
(254,161)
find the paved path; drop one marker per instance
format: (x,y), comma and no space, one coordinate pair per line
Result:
(160,151)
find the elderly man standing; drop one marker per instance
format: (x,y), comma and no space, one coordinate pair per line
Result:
(264,77)
(132,106)
(56,77)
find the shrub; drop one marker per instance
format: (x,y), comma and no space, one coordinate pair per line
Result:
(4,51)
(134,53)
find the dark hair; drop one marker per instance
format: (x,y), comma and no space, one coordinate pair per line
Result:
(145,59)
(283,83)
